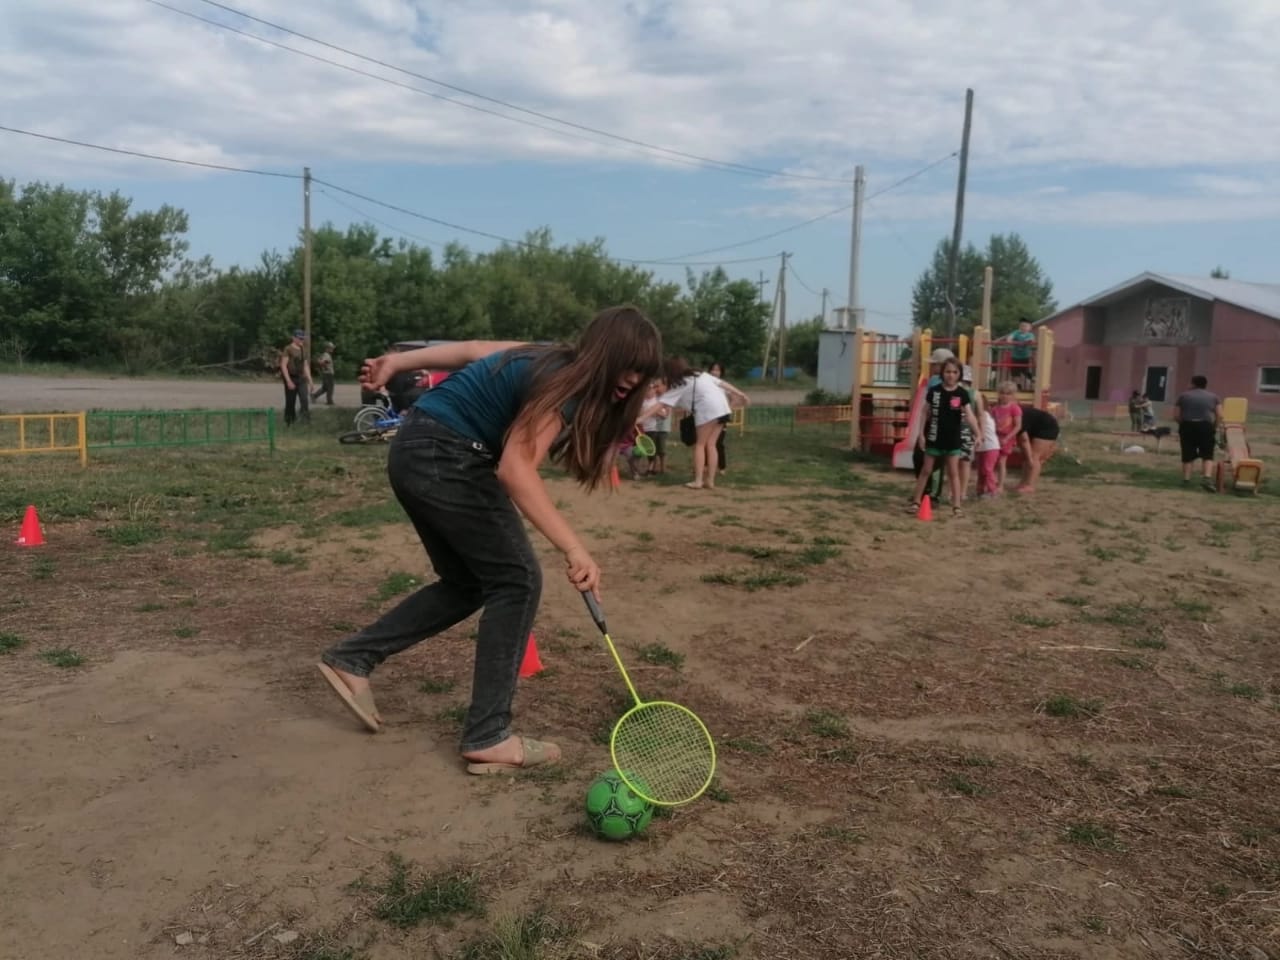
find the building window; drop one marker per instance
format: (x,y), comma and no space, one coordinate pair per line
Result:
(1269,379)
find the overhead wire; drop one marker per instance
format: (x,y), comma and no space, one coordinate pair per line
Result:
(410,87)
(228,168)
(382,223)
(792,267)
(152,156)
(508,240)
(670,152)
(822,216)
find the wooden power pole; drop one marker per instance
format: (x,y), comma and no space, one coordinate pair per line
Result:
(782,317)
(306,261)
(954,253)
(855,246)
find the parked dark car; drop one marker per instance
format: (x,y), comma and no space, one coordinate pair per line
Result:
(405,388)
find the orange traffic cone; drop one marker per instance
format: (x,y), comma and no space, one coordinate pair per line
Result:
(614,479)
(926,509)
(30,535)
(532,662)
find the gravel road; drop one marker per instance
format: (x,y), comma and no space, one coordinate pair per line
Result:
(24,394)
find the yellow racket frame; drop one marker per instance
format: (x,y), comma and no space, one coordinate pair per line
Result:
(649,448)
(598,616)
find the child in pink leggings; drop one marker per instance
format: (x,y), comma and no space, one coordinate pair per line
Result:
(987,455)
(1008,417)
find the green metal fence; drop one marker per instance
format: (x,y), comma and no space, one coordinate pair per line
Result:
(129,429)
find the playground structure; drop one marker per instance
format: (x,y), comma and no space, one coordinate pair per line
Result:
(1245,470)
(891,375)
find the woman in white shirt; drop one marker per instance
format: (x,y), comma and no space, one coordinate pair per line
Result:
(707,399)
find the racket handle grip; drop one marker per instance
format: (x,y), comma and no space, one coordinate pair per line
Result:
(593,605)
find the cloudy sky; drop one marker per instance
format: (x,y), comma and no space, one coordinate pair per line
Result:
(1114,142)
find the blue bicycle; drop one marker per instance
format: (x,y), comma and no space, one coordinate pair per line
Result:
(374,429)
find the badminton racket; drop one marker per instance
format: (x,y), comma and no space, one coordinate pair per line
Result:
(662,750)
(645,446)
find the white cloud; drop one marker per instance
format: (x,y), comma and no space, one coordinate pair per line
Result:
(812,86)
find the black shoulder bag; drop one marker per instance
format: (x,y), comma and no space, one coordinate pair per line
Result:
(689,429)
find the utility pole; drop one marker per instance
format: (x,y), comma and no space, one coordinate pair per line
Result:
(768,340)
(825,293)
(955,233)
(855,245)
(760,283)
(306,262)
(782,317)
(855,307)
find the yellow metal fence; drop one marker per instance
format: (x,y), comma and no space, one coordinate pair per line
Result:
(27,433)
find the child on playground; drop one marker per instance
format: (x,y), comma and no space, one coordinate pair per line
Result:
(707,400)
(464,466)
(657,427)
(1008,417)
(948,405)
(987,453)
(968,438)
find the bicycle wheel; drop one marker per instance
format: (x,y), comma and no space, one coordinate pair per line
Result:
(368,416)
(362,436)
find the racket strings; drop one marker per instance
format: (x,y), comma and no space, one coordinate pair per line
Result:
(667,749)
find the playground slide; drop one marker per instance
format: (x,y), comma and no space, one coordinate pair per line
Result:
(903,450)
(1246,472)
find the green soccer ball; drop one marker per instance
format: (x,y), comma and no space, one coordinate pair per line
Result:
(615,811)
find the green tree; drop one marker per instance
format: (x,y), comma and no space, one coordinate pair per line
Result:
(732,321)
(85,279)
(1019,289)
(802,344)
(79,271)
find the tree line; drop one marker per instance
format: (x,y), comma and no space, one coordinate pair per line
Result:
(87,280)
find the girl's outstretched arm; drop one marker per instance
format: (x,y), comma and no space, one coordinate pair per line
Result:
(733,391)
(375,372)
(518,474)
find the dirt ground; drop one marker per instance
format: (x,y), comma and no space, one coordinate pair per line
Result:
(1045,730)
(43,394)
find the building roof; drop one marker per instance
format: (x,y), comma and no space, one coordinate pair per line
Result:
(1261,298)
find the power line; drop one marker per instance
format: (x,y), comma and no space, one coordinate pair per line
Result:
(410,87)
(518,243)
(359,196)
(152,156)
(822,216)
(792,268)
(909,177)
(727,165)
(382,223)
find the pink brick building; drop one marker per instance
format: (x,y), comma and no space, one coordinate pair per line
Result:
(1155,332)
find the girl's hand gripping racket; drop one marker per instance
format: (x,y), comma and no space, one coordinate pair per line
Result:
(662,751)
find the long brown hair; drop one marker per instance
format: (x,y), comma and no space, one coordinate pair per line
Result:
(677,371)
(618,341)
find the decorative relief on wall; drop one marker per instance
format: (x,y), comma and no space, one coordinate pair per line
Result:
(1168,318)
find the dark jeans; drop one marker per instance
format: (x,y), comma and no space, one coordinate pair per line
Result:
(477,545)
(298,397)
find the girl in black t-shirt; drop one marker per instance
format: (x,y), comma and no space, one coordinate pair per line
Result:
(947,406)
